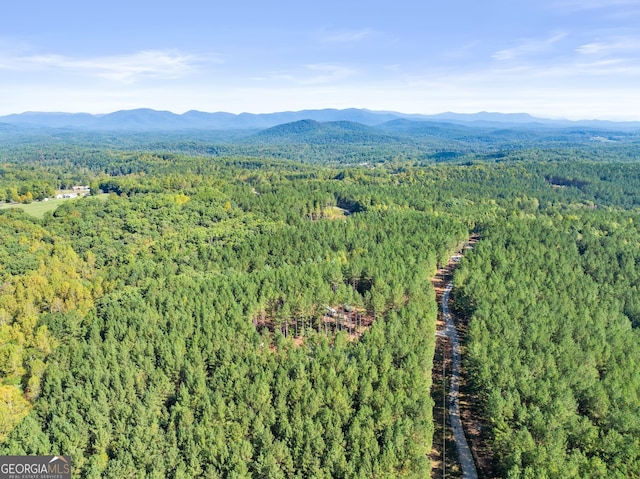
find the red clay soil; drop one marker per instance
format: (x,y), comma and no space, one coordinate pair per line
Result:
(439,391)
(475,429)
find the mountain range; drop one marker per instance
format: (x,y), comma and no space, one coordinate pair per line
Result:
(141,120)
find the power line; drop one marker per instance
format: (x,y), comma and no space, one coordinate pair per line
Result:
(444,391)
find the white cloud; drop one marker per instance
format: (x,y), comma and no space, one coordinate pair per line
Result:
(528,47)
(118,68)
(353,36)
(616,45)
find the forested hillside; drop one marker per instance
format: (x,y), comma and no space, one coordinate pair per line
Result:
(346,137)
(239,316)
(553,349)
(149,360)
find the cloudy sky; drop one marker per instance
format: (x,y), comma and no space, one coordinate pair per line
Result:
(573,59)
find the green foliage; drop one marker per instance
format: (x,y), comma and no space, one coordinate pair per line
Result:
(551,348)
(178,327)
(162,371)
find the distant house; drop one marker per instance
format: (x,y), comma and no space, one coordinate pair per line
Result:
(81,190)
(75,192)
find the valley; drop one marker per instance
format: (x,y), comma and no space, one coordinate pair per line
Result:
(262,305)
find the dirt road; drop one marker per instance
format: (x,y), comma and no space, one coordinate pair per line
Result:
(464,452)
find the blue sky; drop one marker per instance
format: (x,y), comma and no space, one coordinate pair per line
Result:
(572,59)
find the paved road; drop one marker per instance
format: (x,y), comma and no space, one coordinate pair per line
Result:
(464,453)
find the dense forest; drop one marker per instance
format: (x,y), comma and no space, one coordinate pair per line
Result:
(553,345)
(218,315)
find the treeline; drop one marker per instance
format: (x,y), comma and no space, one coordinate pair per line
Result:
(336,143)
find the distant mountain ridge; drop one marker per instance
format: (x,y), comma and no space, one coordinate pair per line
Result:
(145,119)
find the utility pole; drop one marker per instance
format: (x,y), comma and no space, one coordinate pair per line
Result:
(444,407)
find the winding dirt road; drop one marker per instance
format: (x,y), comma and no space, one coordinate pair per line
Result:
(464,452)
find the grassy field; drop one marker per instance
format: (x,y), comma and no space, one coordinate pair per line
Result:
(39,208)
